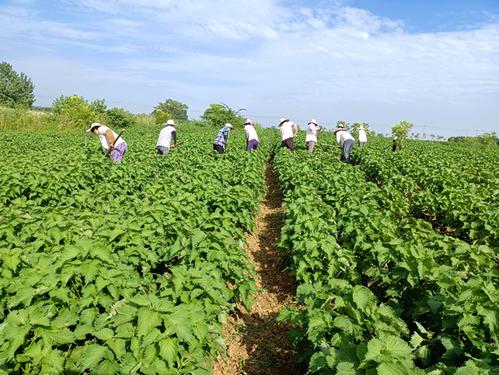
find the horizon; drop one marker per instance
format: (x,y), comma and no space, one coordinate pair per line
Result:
(380,62)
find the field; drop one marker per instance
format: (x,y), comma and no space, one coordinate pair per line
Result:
(135,268)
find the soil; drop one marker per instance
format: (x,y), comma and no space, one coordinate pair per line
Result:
(256,342)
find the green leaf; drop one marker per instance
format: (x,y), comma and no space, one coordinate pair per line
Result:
(168,351)
(104,334)
(317,362)
(416,340)
(146,320)
(363,297)
(91,356)
(345,368)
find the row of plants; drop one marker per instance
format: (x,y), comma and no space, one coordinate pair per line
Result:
(380,291)
(452,186)
(128,268)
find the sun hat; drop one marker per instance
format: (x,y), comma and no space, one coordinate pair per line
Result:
(228,125)
(248,122)
(282,119)
(170,122)
(313,121)
(92,127)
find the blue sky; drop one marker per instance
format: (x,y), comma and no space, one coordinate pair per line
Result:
(433,63)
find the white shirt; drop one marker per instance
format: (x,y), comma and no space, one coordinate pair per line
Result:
(362,136)
(312,133)
(101,130)
(342,136)
(286,130)
(251,133)
(165,136)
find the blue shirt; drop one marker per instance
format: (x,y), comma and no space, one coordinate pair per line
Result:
(222,137)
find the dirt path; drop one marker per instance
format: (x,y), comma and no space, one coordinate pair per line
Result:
(256,342)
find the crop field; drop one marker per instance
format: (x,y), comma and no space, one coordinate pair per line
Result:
(396,259)
(134,268)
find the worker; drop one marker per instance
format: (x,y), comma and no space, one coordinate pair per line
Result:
(345,141)
(252,140)
(362,136)
(311,138)
(222,138)
(113,144)
(288,132)
(166,135)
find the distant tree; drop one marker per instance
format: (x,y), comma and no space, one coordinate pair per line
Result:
(120,118)
(488,139)
(400,132)
(75,111)
(15,89)
(218,114)
(99,105)
(170,109)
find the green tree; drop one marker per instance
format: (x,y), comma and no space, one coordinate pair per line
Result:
(400,132)
(170,109)
(488,139)
(76,111)
(99,105)
(219,114)
(15,89)
(120,118)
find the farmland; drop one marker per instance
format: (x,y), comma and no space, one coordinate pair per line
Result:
(134,268)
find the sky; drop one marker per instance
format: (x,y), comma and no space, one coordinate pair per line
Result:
(432,63)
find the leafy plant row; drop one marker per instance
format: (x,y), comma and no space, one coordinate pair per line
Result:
(381,292)
(125,268)
(453,188)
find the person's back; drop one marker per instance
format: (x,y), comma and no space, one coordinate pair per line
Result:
(311,137)
(342,135)
(288,131)
(166,135)
(252,141)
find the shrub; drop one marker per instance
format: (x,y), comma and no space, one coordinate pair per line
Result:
(76,111)
(120,118)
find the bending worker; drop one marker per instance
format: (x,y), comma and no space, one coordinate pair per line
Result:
(252,140)
(114,145)
(345,141)
(311,138)
(288,131)
(222,138)
(166,135)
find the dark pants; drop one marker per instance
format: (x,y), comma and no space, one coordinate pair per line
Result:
(310,146)
(218,148)
(163,150)
(347,149)
(288,142)
(252,145)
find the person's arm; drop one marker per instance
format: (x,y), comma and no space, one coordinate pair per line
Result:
(174,136)
(226,135)
(110,138)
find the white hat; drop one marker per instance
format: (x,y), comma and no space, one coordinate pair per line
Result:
(248,122)
(228,125)
(170,122)
(94,125)
(313,121)
(282,119)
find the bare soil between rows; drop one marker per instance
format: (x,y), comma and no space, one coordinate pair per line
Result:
(256,342)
